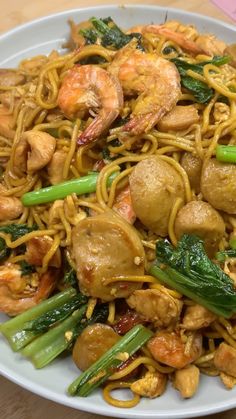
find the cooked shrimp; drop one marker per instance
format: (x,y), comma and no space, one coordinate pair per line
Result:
(123,205)
(211,44)
(10,208)
(19,293)
(168,348)
(37,248)
(91,88)
(154,79)
(33,152)
(177,37)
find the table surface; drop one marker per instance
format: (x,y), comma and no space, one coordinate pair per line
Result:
(16,403)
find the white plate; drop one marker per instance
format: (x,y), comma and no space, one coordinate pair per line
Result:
(40,37)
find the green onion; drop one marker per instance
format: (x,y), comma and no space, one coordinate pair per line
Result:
(94,376)
(51,344)
(81,186)
(226,153)
(14,329)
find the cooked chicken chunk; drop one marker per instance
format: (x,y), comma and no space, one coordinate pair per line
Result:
(193,166)
(154,187)
(218,185)
(106,246)
(155,306)
(196,317)
(37,248)
(225,359)
(201,219)
(56,166)
(168,348)
(10,78)
(152,385)
(10,208)
(6,123)
(33,152)
(186,381)
(179,118)
(228,380)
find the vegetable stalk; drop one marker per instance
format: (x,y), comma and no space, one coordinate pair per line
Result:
(94,376)
(226,153)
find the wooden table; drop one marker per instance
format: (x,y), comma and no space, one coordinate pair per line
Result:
(16,403)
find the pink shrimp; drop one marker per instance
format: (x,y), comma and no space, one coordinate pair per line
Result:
(123,205)
(18,293)
(154,79)
(91,88)
(179,38)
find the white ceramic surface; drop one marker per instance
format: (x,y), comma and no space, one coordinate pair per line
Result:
(40,37)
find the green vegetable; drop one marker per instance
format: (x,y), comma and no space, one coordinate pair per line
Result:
(81,186)
(226,153)
(201,91)
(232,243)
(223,255)
(108,33)
(70,278)
(47,347)
(45,321)
(99,372)
(188,269)
(14,329)
(26,268)
(16,231)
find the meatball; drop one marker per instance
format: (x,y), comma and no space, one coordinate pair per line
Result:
(193,166)
(106,246)
(218,185)
(93,342)
(199,218)
(154,187)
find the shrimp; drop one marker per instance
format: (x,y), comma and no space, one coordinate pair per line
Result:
(168,348)
(177,37)
(19,293)
(123,205)
(91,88)
(154,79)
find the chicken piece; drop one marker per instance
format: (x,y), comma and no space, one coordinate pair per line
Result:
(225,359)
(196,317)
(221,112)
(10,208)
(186,381)
(193,166)
(152,385)
(154,187)
(6,123)
(211,44)
(9,78)
(105,246)
(155,306)
(201,219)
(179,118)
(218,185)
(37,248)
(56,166)
(231,51)
(168,348)
(33,152)
(228,380)
(93,342)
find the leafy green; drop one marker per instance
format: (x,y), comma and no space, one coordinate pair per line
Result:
(45,321)
(200,90)
(70,278)
(26,268)
(223,255)
(188,269)
(109,34)
(16,231)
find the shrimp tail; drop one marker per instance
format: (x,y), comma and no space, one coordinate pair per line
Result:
(143,123)
(100,124)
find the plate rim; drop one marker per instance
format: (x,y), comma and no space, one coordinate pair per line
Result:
(38,388)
